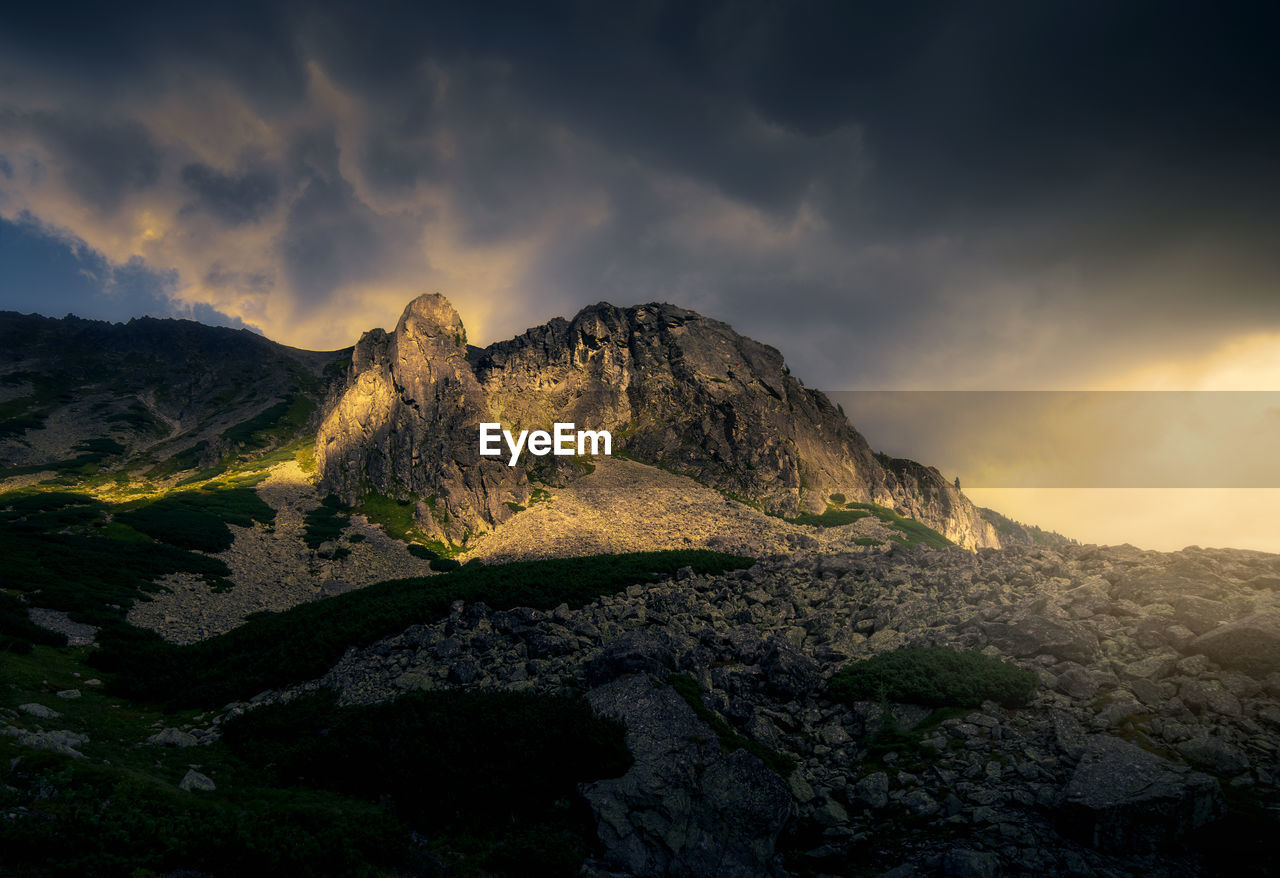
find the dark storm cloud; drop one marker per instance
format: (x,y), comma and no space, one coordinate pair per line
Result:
(328,237)
(233,199)
(1085,138)
(109,50)
(102,160)
(874,188)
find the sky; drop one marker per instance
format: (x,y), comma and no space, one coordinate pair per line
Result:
(907,196)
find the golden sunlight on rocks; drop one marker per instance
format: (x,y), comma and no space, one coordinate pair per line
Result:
(625,506)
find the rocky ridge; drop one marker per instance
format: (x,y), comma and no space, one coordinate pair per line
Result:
(675,389)
(1149,716)
(77,395)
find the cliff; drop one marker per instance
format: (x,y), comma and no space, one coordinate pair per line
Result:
(676,389)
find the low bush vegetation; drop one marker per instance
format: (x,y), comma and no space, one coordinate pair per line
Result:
(913,532)
(839,513)
(92,453)
(422,755)
(198,519)
(936,676)
(186,459)
(326,522)
(98,820)
(303,642)
(393,516)
(62,550)
(435,783)
(17,632)
(830,518)
(279,423)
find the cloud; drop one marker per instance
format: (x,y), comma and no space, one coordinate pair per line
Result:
(99,161)
(234,199)
(895,197)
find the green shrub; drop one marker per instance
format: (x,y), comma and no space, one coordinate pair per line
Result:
(491,776)
(61,546)
(422,552)
(278,423)
(18,632)
(830,518)
(303,642)
(198,519)
(98,820)
(392,515)
(186,459)
(93,452)
(444,565)
(913,532)
(493,759)
(936,676)
(326,522)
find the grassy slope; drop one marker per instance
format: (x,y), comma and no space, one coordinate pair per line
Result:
(912,532)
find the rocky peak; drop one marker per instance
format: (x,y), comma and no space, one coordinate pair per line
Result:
(406,426)
(675,389)
(429,318)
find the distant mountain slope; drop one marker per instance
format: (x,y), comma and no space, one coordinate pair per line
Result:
(160,396)
(1015,533)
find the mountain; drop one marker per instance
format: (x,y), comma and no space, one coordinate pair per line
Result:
(676,390)
(719,651)
(150,397)
(162,400)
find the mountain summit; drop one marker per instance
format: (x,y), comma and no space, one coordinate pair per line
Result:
(676,389)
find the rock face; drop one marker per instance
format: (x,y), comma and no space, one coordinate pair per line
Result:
(683,808)
(407,426)
(674,388)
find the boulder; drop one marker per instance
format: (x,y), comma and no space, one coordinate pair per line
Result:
(635,652)
(1078,683)
(966,863)
(1200,614)
(55,741)
(873,790)
(173,738)
(1251,644)
(788,671)
(1123,800)
(194,781)
(1038,635)
(1213,754)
